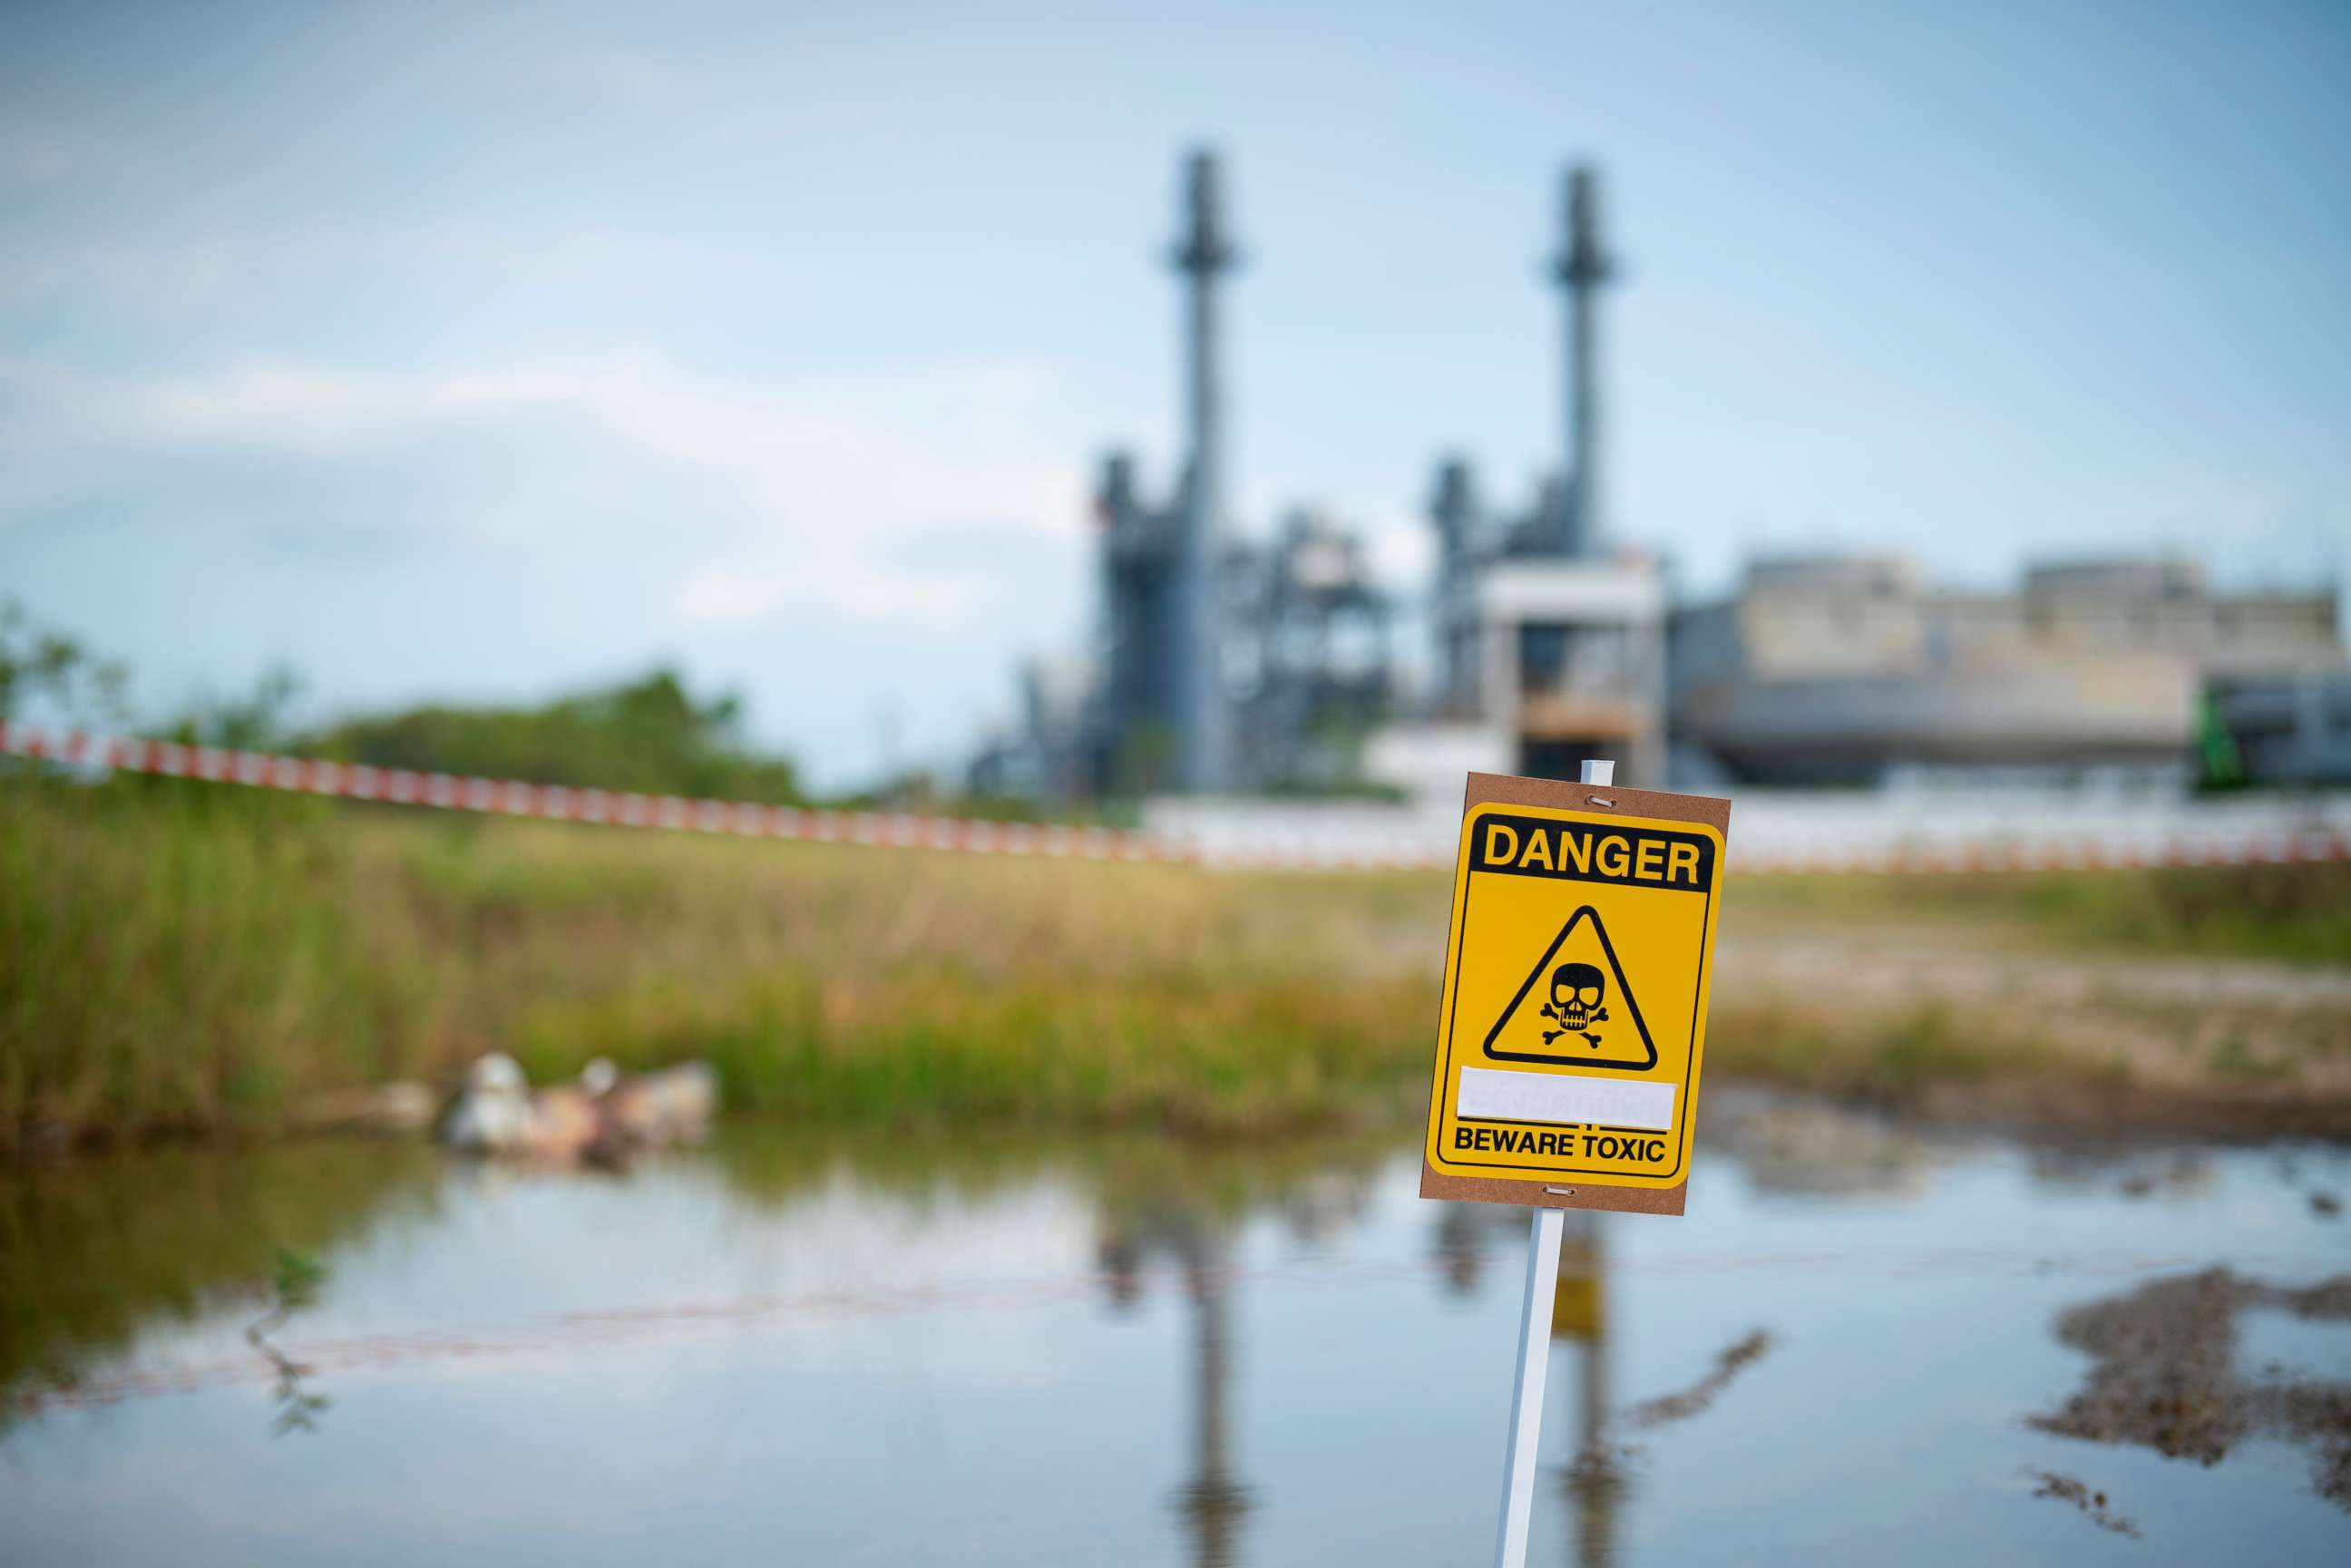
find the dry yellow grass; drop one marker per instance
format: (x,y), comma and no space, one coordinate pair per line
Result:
(195,957)
(202,957)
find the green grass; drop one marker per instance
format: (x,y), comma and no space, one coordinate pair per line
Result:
(92,1251)
(1888,1062)
(2293,914)
(2232,1059)
(199,957)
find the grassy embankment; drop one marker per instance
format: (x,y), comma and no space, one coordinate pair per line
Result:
(186,957)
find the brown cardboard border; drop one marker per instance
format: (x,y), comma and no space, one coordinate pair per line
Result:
(1504,790)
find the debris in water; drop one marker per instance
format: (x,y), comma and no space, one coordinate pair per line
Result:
(606,1115)
(2324,1204)
(2093,1504)
(1600,1466)
(1692,1401)
(2167,1375)
(294,1287)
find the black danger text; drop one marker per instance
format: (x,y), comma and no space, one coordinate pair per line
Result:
(1537,846)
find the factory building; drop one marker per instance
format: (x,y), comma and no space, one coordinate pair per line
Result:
(1847,670)
(1227,666)
(1546,637)
(1222,664)
(2286,728)
(1310,668)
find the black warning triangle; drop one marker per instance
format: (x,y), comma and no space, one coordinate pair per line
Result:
(1610,1051)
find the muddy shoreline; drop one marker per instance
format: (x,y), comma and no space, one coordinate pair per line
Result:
(2048,1112)
(2166,1374)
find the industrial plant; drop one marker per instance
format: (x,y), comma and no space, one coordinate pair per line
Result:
(1227,665)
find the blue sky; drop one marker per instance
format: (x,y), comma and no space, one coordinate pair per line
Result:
(480,351)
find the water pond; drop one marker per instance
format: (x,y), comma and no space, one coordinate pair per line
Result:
(1863,1345)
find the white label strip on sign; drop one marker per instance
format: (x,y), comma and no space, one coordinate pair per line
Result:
(1543,1097)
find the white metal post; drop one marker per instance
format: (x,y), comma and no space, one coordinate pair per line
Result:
(1527,1393)
(1534,1350)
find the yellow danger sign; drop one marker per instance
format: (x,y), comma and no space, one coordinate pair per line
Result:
(1574,1018)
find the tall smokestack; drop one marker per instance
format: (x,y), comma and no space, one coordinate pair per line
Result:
(1200,255)
(1583,265)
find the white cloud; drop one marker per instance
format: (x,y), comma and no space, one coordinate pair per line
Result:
(894,529)
(773,482)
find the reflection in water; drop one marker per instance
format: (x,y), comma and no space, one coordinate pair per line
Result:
(293,1286)
(1465,1237)
(794,1320)
(1795,1144)
(95,1250)
(1595,1484)
(1599,1478)
(2165,1173)
(1197,1239)
(1467,1234)
(1213,1501)
(1155,1200)
(2085,1499)
(1700,1397)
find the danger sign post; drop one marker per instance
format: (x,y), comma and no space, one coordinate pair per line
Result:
(1572,1024)
(1570,1032)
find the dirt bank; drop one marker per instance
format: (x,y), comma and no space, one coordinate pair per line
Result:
(1975,1021)
(2166,1374)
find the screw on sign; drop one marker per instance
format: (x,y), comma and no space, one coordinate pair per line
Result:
(1571,1028)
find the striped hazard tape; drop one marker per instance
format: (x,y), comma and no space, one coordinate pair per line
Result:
(557,802)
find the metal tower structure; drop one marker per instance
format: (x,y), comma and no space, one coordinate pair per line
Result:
(1201,255)
(1227,665)
(1541,629)
(1569,519)
(1583,265)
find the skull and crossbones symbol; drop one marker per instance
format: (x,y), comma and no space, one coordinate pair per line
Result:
(1577,992)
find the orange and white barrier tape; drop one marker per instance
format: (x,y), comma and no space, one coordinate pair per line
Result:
(2238,846)
(558,802)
